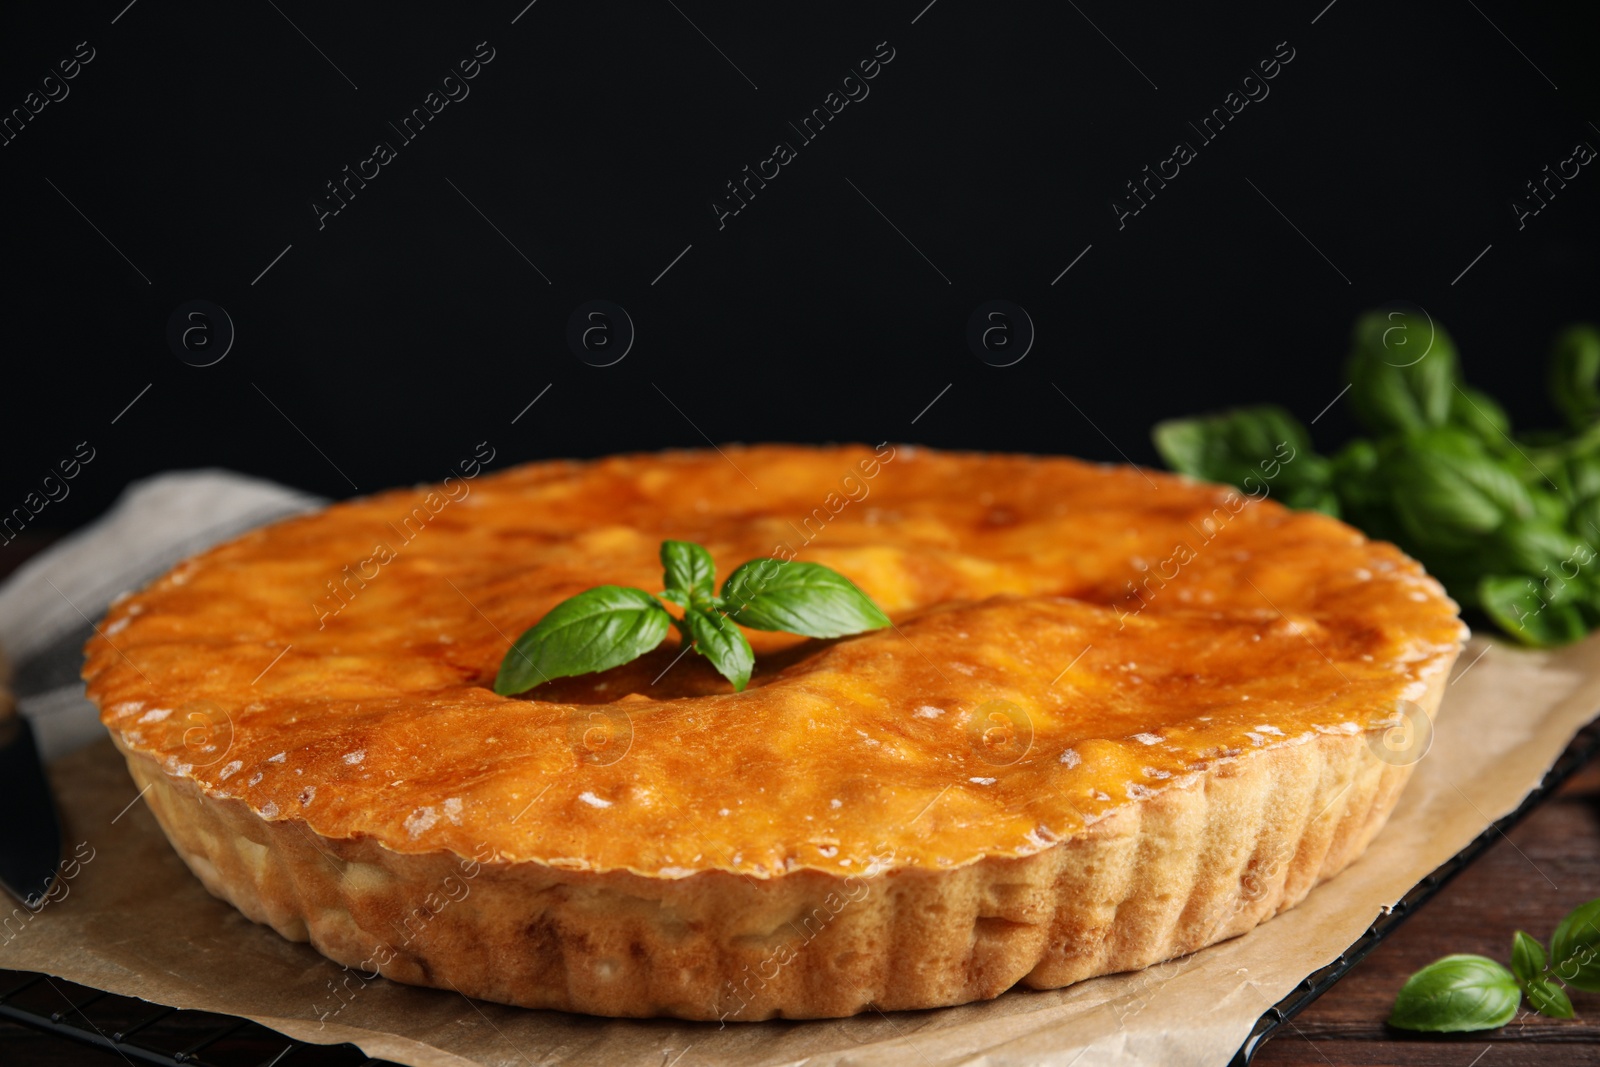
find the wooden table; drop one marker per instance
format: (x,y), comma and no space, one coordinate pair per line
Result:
(1548,865)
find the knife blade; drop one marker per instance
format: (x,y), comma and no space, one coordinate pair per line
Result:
(30,843)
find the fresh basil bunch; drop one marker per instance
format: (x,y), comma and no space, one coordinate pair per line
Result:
(1261,446)
(1509,524)
(1465,992)
(611,625)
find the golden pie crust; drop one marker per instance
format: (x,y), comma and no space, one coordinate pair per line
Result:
(1121,715)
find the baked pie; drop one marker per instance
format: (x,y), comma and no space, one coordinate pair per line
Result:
(1120,715)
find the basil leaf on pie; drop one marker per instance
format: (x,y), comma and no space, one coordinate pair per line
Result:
(593,631)
(612,624)
(719,640)
(1461,992)
(799,598)
(688,569)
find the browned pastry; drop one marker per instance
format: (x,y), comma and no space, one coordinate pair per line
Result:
(1120,716)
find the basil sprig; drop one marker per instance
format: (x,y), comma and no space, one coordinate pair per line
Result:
(1465,992)
(615,624)
(1509,523)
(1544,994)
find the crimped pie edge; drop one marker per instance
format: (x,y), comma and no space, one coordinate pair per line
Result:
(1198,863)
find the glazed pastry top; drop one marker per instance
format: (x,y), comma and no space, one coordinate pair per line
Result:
(1067,637)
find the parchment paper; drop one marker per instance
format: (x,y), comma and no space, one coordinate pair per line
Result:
(136,922)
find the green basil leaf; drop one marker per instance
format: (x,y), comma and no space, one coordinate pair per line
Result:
(1583,476)
(799,598)
(1447,490)
(593,631)
(1549,505)
(719,640)
(1518,606)
(1359,480)
(1527,961)
(1575,948)
(1402,371)
(1575,375)
(1527,957)
(1356,461)
(1548,998)
(1312,498)
(1185,446)
(1259,449)
(1585,518)
(1481,415)
(1533,546)
(1457,993)
(1472,462)
(1567,625)
(688,568)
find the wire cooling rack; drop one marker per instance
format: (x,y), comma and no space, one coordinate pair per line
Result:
(146,1033)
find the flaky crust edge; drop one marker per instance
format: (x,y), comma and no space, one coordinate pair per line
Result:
(1207,859)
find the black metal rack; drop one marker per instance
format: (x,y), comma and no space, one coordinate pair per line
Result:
(145,1033)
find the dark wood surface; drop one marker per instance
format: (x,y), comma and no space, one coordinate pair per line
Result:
(1528,880)
(1546,866)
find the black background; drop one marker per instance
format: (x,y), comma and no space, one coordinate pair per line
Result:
(381,348)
